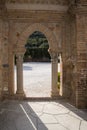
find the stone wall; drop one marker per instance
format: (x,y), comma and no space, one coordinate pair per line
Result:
(81,89)
(66,30)
(0,58)
(69,55)
(5,55)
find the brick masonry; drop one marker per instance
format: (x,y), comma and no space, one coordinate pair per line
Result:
(66,32)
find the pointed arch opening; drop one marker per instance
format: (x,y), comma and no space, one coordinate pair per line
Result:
(46,40)
(37,66)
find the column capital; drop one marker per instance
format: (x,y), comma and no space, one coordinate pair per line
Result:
(54,55)
(19,54)
(70,63)
(19,57)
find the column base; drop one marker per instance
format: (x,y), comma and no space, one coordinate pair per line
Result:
(20,93)
(54,94)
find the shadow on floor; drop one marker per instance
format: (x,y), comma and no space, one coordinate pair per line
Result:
(19,116)
(82,113)
(27,68)
(27,115)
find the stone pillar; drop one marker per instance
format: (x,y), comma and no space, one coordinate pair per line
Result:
(11,74)
(54,60)
(81,66)
(1,85)
(61,77)
(19,63)
(11,59)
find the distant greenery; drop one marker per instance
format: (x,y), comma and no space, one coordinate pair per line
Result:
(37,47)
(58,76)
(58,80)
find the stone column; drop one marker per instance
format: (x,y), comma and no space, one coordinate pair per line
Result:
(54,60)
(19,63)
(11,74)
(61,77)
(11,59)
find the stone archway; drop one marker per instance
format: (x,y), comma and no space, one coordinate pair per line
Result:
(37,27)
(20,50)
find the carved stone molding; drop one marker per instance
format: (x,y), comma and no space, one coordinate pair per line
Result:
(54,55)
(70,63)
(19,57)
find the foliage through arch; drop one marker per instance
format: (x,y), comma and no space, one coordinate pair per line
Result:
(37,48)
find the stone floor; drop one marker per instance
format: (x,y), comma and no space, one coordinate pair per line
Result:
(37,115)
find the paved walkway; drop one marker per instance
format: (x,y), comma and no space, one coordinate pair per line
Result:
(54,115)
